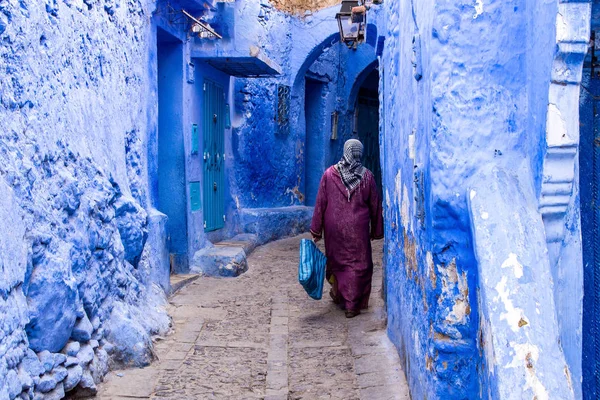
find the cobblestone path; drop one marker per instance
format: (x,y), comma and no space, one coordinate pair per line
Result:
(260,336)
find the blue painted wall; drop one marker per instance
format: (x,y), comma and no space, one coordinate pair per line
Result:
(172,199)
(81,267)
(481,101)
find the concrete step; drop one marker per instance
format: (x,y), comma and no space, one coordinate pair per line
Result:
(247,241)
(226,258)
(220,261)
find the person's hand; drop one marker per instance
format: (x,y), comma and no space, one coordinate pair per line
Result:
(316,239)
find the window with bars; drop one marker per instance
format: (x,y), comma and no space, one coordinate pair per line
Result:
(283,109)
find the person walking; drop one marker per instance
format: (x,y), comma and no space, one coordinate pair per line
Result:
(348,212)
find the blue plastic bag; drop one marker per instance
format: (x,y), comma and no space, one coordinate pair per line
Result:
(311,270)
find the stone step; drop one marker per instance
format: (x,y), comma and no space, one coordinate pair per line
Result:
(220,261)
(180,281)
(247,241)
(226,258)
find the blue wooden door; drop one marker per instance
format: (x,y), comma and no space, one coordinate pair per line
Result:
(214,156)
(368,133)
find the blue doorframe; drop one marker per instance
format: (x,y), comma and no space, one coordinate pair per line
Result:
(315,139)
(367,128)
(214,121)
(172,198)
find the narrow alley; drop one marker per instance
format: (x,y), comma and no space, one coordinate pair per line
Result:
(161,160)
(260,336)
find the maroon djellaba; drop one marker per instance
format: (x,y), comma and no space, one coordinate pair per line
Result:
(348,212)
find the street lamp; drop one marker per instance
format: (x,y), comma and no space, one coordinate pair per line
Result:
(352,20)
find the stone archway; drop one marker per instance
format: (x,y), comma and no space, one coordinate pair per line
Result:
(320,40)
(359,81)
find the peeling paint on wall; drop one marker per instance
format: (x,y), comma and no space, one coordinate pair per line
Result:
(528,354)
(512,262)
(513,316)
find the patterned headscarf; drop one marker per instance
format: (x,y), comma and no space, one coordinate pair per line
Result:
(350,166)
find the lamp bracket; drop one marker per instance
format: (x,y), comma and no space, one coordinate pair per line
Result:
(182,17)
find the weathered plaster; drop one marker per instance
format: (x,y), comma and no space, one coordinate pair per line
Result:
(481,100)
(517,306)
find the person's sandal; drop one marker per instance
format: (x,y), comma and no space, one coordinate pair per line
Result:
(352,314)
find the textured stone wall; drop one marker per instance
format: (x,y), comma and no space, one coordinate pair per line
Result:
(412,277)
(298,46)
(77,294)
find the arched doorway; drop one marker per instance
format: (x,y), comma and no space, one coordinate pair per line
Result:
(366,117)
(321,114)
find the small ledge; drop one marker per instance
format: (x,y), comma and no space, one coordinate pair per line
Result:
(254,64)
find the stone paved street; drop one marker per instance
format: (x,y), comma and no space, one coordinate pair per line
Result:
(260,336)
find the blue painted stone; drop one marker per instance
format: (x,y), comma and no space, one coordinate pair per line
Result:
(31,364)
(59,359)
(73,377)
(132,224)
(53,303)
(220,261)
(98,335)
(101,364)
(60,373)
(47,360)
(82,331)
(270,224)
(72,348)
(87,384)
(157,244)
(109,347)
(85,355)
(130,340)
(14,384)
(248,241)
(46,383)
(25,379)
(57,393)
(96,322)
(71,361)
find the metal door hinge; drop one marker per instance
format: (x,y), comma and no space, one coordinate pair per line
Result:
(204,224)
(224,218)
